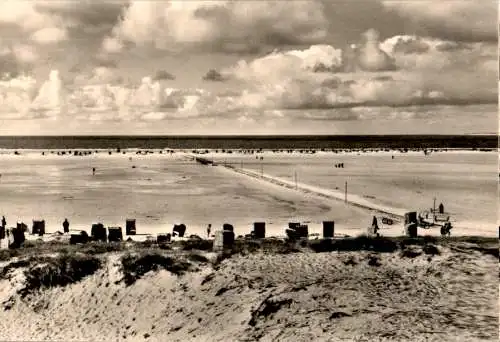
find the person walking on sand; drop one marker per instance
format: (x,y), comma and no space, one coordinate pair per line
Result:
(209,228)
(66,225)
(93,171)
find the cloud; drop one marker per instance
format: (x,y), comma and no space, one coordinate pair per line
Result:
(49,35)
(401,71)
(465,20)
(50,97)
(16,95)
(371,57)
(112,45)
(23,14)
(251,26)
(16,59)
(163,75)
(25,53)
(276,85)
(326,57)
(231,26)
(214,76)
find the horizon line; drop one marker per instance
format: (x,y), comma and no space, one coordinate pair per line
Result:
(243,135)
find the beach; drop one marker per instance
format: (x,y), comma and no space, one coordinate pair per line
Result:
(387,288)
(160,190)
(420,290)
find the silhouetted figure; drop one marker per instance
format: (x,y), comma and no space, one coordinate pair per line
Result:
(93,171)
(375,227)
(4,223)
(66,225)
(441,208)
(446,229)
(209,229)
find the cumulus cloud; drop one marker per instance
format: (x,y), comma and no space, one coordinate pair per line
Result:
(49,35)
(50,97)
(322,58)
(249,26)
(97,100)
(16,59)
(371,57)
(285,80)
(231,26)
(25,53)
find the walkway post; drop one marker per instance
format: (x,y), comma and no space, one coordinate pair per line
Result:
(434,210)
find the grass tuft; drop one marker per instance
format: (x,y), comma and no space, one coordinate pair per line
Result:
(65,269)
(136,266)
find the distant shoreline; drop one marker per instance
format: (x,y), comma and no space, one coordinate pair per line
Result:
(255,142)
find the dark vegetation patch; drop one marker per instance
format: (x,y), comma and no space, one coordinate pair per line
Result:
(487,250)
(271,246)
(360,243)
(431,249)
(201,245)
(136,266)
(4,271)
(411,253)
(7,254)
(46,272)
(374,260)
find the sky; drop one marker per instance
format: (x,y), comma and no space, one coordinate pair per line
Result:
(71,67)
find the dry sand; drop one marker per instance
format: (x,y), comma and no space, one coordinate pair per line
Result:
(333,296)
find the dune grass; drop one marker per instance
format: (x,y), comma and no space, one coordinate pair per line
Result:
(62,270)
(135,266)
(46,271)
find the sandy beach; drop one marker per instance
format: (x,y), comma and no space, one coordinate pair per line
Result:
(390,288)
(421,291)
(159,190)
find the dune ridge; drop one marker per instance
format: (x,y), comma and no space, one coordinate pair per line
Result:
(431,289)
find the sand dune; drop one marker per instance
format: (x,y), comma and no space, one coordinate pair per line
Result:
(304,296)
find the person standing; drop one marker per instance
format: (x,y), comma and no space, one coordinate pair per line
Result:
(209,229)
(66,225)
(2,229)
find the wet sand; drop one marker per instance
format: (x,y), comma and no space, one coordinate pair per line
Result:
(164,189)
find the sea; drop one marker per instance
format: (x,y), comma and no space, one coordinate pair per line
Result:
(252,142)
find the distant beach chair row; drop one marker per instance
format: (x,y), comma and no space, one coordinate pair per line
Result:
(223,237)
